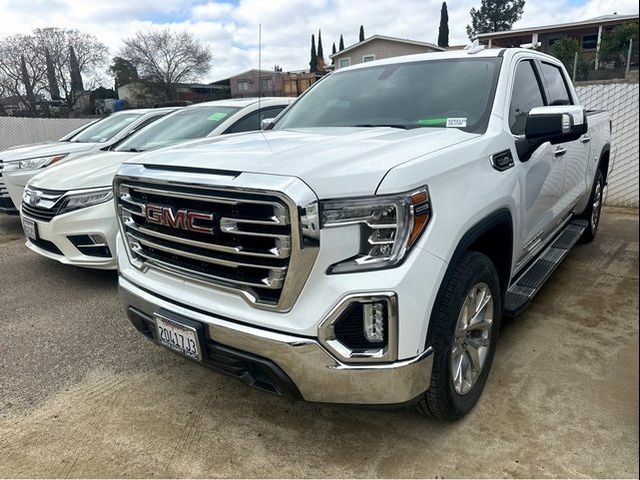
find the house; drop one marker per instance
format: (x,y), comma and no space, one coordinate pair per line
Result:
(378,47)
(271,83)
(587,32)
(267,83)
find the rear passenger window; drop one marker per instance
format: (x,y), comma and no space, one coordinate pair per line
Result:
(253,121)
(526,95)
(558,91)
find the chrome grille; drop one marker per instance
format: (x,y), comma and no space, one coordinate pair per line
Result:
(255,238)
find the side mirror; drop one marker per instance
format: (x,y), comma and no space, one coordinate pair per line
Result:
(556,124)
(553,124)
(267,124)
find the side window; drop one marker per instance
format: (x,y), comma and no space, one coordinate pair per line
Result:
(525,96)
(252,121)
(556,84)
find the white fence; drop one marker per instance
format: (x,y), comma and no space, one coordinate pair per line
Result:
(621,101)
(23,131)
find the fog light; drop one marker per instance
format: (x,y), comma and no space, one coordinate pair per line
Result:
(373,321)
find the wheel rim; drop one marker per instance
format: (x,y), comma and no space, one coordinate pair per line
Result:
(596,206)
(471,338)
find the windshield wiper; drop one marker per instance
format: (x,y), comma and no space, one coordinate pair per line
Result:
(133,150)
(390,125)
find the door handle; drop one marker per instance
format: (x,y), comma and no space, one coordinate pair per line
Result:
(560,151)
(586,139)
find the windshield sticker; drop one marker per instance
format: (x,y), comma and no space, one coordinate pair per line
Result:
(216,117)
(437,122)
(456,122)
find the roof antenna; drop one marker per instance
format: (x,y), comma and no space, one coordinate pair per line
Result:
(474,47)
(259,74)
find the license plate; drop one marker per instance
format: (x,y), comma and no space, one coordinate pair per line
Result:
(178,337)
(30,228)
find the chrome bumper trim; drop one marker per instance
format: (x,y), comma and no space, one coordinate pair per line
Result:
(317,374)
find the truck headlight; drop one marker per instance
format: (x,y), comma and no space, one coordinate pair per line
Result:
(74,201)
(33,163)
(389,226)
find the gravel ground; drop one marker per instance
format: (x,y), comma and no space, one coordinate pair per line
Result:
(82,394)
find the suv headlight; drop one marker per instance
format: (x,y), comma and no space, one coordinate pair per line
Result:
(75,201)
(33,163)
(389,226)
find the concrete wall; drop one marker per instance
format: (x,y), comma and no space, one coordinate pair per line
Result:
(22,131)
(380,48)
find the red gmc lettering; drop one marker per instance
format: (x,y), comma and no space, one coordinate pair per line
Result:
(182,219)
(191,221)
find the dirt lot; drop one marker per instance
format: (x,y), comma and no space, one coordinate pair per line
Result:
(84,395)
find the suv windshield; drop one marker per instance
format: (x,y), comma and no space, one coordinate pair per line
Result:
(436,93)
(105,129)
(188,124)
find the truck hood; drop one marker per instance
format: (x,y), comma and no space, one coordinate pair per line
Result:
(89,171)
(331,161)
(44,150)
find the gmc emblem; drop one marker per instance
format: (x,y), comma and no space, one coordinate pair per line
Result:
(182,218)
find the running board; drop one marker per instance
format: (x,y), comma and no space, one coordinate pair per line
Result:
(522,291)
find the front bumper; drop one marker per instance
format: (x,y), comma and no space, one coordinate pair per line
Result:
(15,182)
(54,236)
(312,371)
(6,204)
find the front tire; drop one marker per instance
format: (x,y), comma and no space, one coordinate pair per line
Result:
(463,334)
(594,209)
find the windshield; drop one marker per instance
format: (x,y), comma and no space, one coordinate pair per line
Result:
(437,93)
(105,129)
(188,124)
(76,131)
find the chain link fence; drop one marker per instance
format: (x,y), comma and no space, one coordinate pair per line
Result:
(24,131)
(621,101)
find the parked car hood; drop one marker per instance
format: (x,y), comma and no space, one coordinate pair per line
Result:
(44,150)
(89,171)
(330,160)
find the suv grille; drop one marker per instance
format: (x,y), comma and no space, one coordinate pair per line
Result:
(47,206)
(5,200)
(238,239)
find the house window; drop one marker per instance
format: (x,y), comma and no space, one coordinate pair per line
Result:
(243,86)
(345,62)
(590,42)
(368,58)
(266,83)
(551,41)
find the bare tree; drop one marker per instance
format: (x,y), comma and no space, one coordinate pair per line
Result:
(21,71)
(167,58)
(90,57)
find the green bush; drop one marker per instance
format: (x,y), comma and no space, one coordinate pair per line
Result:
(565,49)
(614,46)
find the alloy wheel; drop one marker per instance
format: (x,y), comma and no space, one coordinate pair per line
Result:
(471,338)
(596,206)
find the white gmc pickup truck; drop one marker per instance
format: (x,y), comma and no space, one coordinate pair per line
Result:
(365,248)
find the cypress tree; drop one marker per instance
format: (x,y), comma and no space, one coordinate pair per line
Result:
(313,62)
(54,91)
(361,33)
(320,51)
(31,99)
(341,47)
(443,32)
(74,70)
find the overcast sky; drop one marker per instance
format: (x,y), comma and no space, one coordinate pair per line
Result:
(231,27)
